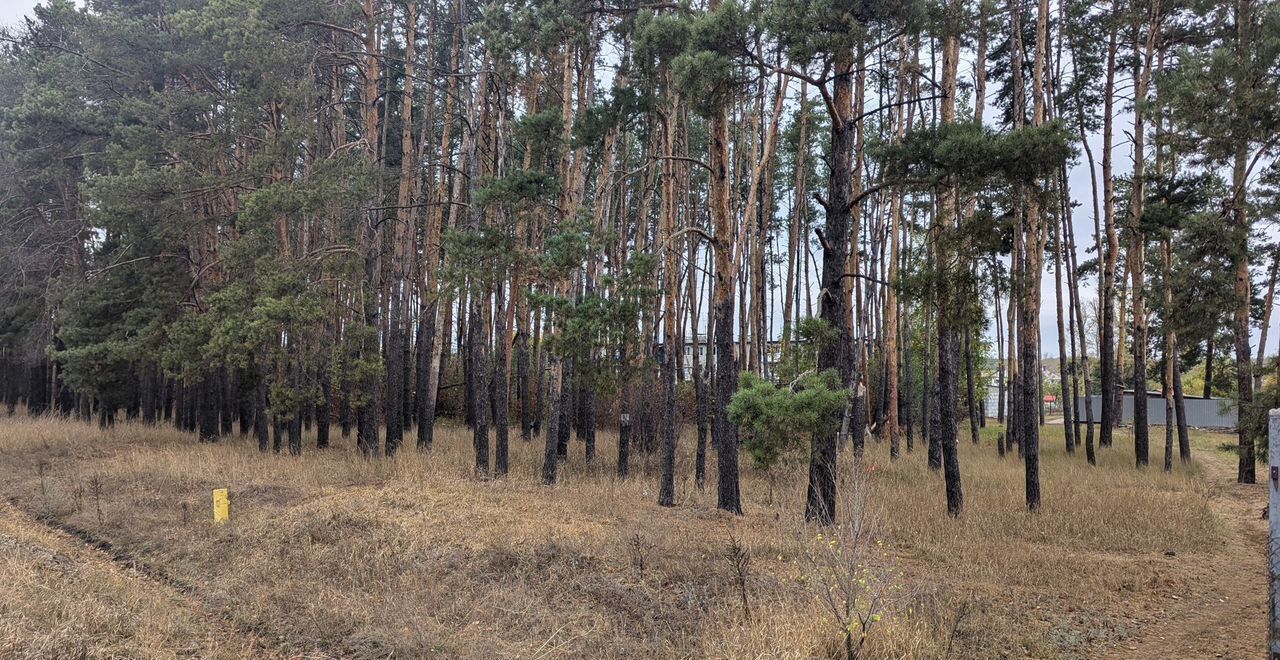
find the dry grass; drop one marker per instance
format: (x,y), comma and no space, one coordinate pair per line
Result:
(332,555)
(62,599)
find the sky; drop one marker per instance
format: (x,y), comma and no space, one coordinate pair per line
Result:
(12,11)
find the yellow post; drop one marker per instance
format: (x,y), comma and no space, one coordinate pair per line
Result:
(221,505)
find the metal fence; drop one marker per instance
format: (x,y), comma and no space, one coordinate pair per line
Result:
(1201,413)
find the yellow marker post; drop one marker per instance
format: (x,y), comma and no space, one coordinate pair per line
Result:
(221,505)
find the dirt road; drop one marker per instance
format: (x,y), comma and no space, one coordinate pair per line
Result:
(1223,614)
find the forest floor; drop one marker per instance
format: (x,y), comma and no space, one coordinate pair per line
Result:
(106,550)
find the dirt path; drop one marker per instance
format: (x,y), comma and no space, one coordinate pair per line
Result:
(64,596)
(1223,614)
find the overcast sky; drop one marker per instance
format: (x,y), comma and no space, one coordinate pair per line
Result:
(11,12)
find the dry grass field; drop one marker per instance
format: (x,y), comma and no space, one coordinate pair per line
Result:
(107,550)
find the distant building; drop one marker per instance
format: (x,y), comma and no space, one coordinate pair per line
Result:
(1201,413)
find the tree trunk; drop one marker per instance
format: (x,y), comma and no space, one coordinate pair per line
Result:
(951,300)
(501,387)
(1268,303)
(971,384)
(1136,257)
(477,347)
(260,419)
(699,378)
(551,457)
(723,433)
(820,500)
(1207,392)
(1106,348)
(1065,399)
(322,406)
(1244,376)
(209,413)
(394,357)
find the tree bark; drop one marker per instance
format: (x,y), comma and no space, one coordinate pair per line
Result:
(724,434)
(820,500)
(1106,348)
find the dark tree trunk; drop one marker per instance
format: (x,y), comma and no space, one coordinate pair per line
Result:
(934,399)
(564,412)
(1141,431)
(226,401)
(1180,411)
(1066,401)
(667,485)
(1040,397)
(1012,426)
(551,457)
(149,395)
(1075,335)
(394,409)
(37,389)
(428,387)
(1029,433)
(295,435)
(167,388)
(308,413)
(907,402)
(1242,14)
(1000,354)
(578,393)
(857,409)
(367,421)
(971,385)
(1107,361)
(948,399)
(345,412)
(407,401)
(179,406)
(260,420)
(468,373)
(724,435)
(501,387)
(587,423)
(478,374)
(820,500)
(523,391)
(11,379)
(322,406)
(538,397)
(700,453)
(244,401)
(1168,423)
(1208,365)
(624,440)
(208,395)
(927,379)
(67,399)
(192,411)
(1083,367)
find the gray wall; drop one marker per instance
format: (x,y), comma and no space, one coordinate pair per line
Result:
(1201,413)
